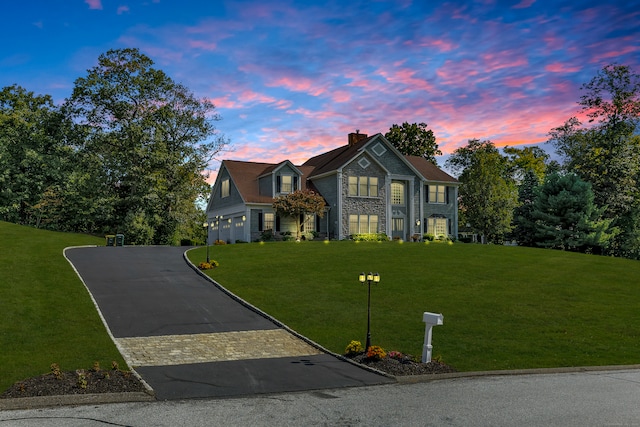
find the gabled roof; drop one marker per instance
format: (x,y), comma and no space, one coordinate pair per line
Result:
(428,170)
(245,177)
(335,159)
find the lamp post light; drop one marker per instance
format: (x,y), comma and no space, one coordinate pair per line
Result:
(375,278)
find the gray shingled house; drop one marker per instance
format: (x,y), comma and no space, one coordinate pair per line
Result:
(368,187)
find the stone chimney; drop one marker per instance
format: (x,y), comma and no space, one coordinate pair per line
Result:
(354,138)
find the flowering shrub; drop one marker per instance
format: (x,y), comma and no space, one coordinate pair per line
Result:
(219,242)
(376,352)
(354,347)
(208,265)
(395,355)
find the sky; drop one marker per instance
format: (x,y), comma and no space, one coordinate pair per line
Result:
(291,78)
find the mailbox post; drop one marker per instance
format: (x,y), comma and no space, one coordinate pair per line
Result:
(430,320)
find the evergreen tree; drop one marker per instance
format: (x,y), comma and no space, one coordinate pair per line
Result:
(566,217)
(524,224)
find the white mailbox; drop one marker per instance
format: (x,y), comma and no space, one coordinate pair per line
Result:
(430,320)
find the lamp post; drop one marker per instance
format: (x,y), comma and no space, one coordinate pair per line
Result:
(375,278)
(218,218)
(206,241)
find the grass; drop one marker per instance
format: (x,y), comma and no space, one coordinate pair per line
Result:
(46,314)
(504,307)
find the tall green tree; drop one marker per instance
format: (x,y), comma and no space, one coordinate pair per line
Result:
(525,159)
(33,157)
(606,151)
(414,140)
(488,193)
(299,203)
(524,226)
(567,218)
(148,140)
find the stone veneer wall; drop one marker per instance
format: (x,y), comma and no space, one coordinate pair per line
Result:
(363,205)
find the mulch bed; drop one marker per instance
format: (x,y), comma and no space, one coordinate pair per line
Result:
(402,365)
(75,382)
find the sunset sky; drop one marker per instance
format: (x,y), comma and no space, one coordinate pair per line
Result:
(292,78)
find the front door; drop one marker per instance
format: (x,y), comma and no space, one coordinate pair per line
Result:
(397,228)
(398,209)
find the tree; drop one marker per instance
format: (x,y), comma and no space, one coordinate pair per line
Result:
(566,217)
(524,226)
(33,157)
(148,140)
(523,160)
(488,194)
(606,152)
(298,204)
(414,140)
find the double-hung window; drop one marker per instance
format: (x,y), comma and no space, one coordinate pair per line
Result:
(437,194)
(286,184)
(363,224)
(363,186)
(268,221)
(437,226)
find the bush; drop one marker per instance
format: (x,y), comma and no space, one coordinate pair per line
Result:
(288,237)
(266,236)
(376,352)
(428,237)
(208,265)
(354,347)
(370,237)
(219,242)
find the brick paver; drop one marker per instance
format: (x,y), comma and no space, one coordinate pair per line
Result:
(213,347)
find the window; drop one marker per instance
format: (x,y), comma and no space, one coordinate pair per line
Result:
(363,186)
(309,223)
(397,193)
(286,184)
(224,188)
(363,224)
(437,194)
(437,226)
(268,220)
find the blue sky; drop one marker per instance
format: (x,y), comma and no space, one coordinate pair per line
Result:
(292,78)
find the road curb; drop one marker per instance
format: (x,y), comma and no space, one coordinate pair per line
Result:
(73,400)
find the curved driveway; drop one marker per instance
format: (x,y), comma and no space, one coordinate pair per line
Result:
(187,338)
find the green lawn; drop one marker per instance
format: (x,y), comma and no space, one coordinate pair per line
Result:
(46,313)
(504,307)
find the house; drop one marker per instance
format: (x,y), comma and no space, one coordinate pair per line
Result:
(368,187)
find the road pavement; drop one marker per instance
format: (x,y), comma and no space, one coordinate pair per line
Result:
(599,398)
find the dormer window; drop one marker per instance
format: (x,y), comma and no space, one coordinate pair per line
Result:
(287,184)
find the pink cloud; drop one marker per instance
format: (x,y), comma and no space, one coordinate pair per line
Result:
(94,4)
(297,84)
(504,59)
(407,77)
(524,4)
(558,67)
(440,44)
(199,44)
(121,9)
(518,81)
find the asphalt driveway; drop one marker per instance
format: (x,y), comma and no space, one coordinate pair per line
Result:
(187,338)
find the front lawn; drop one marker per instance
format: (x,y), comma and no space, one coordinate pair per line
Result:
(503,307)
(46,314)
